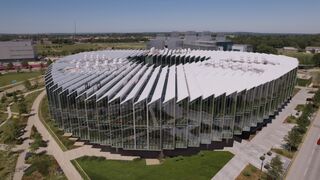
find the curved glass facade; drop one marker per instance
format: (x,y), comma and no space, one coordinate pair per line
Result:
(159,102)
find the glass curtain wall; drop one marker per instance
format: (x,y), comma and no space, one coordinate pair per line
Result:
(103,121)
(229,115)
(92,121)
(128,126)
(194,122)
(218,115)
(239,117)
(168,124)
(248,109)
(82,117)
(206,120)
(181,136)
(72,113)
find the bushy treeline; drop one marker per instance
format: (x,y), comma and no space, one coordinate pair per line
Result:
(269,42)
(294,137)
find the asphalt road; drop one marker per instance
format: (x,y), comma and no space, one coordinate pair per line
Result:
(307,163)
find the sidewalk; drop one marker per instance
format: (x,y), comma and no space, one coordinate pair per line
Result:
(271,136)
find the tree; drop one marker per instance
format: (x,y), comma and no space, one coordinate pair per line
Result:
(27,84)
(49,62)
(24,64)
(22,107)
(275,170)
(10,131)
(18,69)
(9,66)
(316,59)
(3,99)
(293,138)
(263,48)
(316,98)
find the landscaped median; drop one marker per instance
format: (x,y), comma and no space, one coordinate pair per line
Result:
(57,134)
(203,165)
(251,173)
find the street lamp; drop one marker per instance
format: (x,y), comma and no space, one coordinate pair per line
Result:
(262,158)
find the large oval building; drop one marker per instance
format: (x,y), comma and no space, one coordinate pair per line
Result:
(154,100)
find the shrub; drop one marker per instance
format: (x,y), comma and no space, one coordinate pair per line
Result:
(247,173)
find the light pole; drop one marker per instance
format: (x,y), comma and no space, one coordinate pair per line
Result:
(262,158)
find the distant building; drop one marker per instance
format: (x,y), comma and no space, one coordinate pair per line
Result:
(158,42)
(13,51)
(313,50)
(201,44)
(174,41)
(289,49)
(191,40)
(242,47)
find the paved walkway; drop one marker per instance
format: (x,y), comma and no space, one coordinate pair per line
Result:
(53,148)
(271,136)
(64,158)
(21,166)
(29,92)
(9,116)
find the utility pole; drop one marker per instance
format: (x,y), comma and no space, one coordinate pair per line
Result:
(75,31)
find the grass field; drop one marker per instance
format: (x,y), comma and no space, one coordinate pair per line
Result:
(3,117)
(8,163)
(67,49)
(7,78)
(201,166)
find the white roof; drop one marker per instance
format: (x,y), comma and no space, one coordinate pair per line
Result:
(160,85)
(182,88)
(112,73)
(139,85)
(171,85)
(128,86)
(145,93)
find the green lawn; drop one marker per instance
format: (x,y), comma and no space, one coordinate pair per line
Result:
(8,163)
(304,82)
(7,78)
(201,166)
(3,117)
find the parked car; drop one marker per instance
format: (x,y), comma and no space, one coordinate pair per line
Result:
(28,155)
(318,142)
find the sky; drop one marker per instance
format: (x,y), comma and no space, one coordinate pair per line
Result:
(60,16)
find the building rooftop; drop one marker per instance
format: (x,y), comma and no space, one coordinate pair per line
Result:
(16,50)
(111,73)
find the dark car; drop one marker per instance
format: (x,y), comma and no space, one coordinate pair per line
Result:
(28,155)
(318,142)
